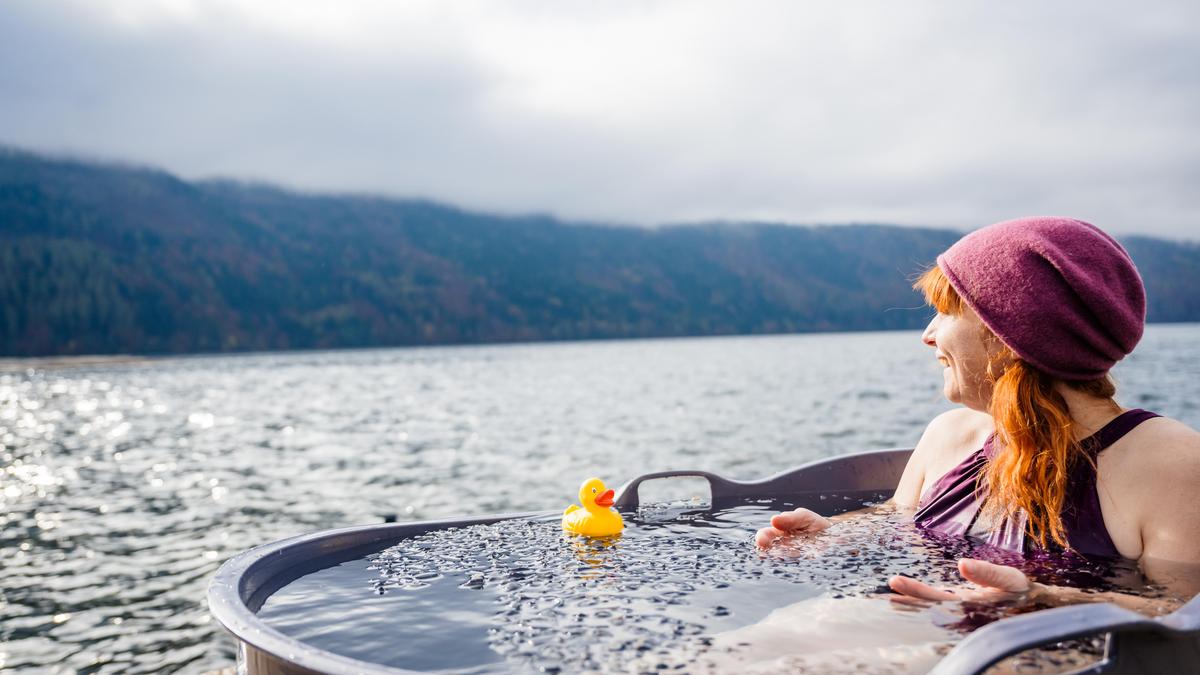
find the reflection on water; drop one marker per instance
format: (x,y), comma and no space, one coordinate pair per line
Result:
(124,485)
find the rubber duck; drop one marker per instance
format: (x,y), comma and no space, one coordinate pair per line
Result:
(596,518)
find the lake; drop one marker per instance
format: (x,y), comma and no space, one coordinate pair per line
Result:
(125,485)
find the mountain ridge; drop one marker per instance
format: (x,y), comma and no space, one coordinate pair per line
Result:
(112,258)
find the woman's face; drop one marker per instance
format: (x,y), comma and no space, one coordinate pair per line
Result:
(959,342)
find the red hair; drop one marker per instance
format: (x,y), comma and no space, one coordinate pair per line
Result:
(1035,435)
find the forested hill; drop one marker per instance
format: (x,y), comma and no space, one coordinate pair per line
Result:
(108,259)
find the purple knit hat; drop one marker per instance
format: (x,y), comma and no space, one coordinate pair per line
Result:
(1059,292)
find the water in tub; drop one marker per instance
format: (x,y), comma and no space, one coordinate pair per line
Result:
(681,589)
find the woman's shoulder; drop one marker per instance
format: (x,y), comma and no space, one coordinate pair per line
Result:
(1154,471)
(1156,445)
(956,430)
(948,439)
(1171,430)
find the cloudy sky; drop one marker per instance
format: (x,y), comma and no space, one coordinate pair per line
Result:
(926,113)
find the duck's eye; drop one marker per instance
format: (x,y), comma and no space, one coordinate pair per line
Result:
(593,490)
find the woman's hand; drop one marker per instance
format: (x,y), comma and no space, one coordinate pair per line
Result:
(800,521)
(994,583)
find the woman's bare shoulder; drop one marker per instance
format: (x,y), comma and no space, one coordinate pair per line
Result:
(947,440)
(1155,469)
(1158,445)
(958,426)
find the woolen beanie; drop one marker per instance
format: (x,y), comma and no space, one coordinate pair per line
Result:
(1059,292)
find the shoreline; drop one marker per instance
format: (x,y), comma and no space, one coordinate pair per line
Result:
(18,364)
(11,364)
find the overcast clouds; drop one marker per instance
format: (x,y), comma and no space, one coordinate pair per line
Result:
(931,113)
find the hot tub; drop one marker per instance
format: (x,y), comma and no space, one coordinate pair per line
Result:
(1133,643)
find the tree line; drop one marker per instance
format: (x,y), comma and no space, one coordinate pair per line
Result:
(101,259)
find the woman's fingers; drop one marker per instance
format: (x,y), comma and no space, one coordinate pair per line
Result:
(998,583)
(909,601)
(766,536)
(989,575)
(915,589)
(800,520)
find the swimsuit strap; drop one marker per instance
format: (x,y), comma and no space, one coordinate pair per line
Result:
(1082,515)
(1115,430)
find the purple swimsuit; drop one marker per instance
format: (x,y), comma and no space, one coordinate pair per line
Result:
(952,505)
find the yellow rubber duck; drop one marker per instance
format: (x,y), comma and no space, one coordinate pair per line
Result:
(596,518)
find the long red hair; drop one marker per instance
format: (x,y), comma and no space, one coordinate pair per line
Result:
(1035,434)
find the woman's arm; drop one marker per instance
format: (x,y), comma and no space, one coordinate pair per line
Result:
(1066,595)
(946,440)
(999,583)
(1161,491)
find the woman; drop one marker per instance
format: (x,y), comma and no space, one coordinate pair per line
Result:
(1032,314)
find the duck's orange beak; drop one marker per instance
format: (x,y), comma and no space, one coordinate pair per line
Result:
(605,498)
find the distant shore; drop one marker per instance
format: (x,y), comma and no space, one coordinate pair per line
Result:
(12,364)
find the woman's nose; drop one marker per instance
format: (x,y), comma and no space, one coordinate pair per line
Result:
(930,330)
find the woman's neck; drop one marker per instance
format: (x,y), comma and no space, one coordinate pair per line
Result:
(1089,413)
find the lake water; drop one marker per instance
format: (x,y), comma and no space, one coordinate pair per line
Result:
(126,485)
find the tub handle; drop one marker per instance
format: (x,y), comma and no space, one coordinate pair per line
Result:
(871,471)
(627,499)
(1138,643)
